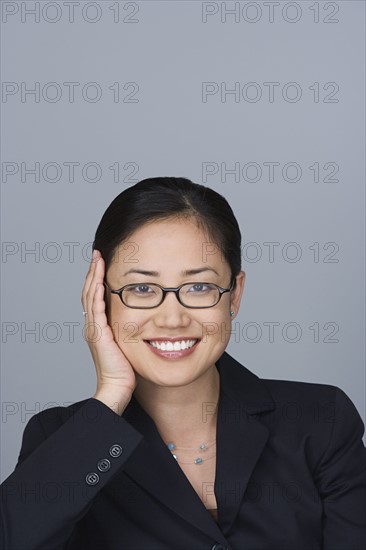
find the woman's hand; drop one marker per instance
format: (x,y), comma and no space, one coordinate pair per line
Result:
(116,379)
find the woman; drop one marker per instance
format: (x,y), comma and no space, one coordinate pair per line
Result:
(181,447)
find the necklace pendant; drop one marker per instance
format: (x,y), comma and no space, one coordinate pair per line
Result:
(171,446)
(198,461)
(203,447)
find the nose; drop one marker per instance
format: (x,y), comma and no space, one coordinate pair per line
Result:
(171,313)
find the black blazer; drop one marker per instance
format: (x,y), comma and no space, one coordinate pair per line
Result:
(290,475)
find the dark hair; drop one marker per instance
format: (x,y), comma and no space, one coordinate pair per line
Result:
(164,198)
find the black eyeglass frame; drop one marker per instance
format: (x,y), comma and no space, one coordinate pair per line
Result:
(172,289)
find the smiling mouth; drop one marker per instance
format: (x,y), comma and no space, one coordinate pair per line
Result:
(178,345)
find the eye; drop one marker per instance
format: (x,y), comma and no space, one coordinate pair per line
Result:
(141,289)
(200,288)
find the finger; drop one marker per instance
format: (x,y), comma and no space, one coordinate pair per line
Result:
(87,282)
(97,277)
(98,306)
(96,322)
(95,295)
(90,278)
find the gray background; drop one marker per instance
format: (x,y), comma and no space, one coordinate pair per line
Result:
(165,125)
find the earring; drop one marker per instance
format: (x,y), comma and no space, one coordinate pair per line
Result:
(231,313)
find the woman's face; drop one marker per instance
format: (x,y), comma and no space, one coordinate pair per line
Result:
(167,250)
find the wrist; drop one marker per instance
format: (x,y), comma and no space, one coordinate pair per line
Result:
(116,401)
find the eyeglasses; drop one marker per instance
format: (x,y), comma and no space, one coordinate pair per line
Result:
(150,295)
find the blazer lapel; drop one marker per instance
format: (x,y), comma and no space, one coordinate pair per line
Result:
(153,467)
(240,441)
(241,437)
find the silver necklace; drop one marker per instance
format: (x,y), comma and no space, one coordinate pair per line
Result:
(202,449)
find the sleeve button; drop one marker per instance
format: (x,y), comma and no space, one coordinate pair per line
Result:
(115,451)
(103,465)
(92,478)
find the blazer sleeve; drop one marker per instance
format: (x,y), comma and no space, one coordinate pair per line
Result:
(58,476)
(341,478)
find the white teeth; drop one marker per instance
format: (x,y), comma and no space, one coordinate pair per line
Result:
(173,346)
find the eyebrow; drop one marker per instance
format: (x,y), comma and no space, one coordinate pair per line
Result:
(184,273)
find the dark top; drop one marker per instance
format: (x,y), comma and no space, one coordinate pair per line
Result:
(290,474)
(213,512)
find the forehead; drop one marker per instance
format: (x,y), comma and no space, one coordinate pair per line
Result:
(167,246)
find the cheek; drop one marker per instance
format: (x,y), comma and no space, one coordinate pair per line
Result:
(216,327)
(126,326)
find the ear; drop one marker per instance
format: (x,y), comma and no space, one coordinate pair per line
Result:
(236,294)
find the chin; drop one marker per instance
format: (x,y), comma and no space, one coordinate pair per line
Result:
(170,375)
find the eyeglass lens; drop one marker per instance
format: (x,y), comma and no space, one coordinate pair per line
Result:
(196,295)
